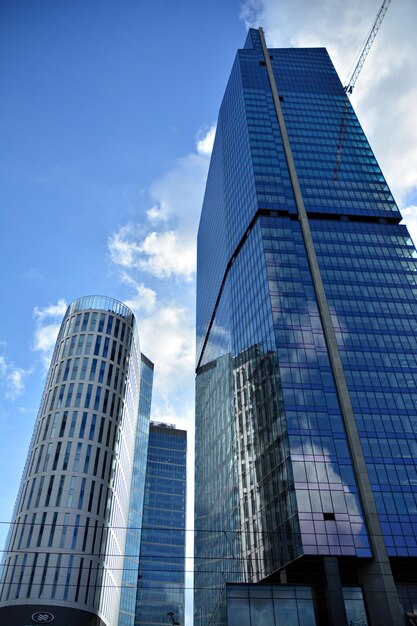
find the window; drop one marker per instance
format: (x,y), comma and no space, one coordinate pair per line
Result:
(66,456)
(101,322)
(93,369)
(71,491)
(64,531)
(41,530)
(85,321)
(90,503)
(47,455)
(83,422)
(77,457)
(63,424)
(96,461)
(80,344)
(69,395)
(93,322)
(81,494)
(109,325)
(75,368)
(73,423)
(97,345)
(67,369)
(89,344)
(57,453)
(100,432)
(88,396)
(97,399)
(61,396)
(79,394)
(54,424)
(40,451)
(87,459)
(52,531)
(106,347)
(101,372)
(92,426)
(60,488)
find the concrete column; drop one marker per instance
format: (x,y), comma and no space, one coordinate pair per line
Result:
(334,592)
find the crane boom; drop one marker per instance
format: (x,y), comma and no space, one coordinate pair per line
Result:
(367,46)
(352,81)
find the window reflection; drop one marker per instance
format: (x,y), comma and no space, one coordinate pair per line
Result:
(355,606)
(264,605)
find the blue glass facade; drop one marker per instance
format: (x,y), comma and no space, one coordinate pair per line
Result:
(160,588)
(272,433)
(131,567)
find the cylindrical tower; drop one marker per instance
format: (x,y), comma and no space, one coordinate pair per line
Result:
(65,550)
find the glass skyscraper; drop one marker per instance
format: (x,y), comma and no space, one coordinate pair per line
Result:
(64,559)
(131,568)
(160,592)
(306,400)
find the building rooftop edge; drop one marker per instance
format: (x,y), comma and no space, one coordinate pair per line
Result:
(100,302)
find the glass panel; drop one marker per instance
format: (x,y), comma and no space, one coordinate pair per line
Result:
(262,613)
(306,613)
(355,606)
(286,613)
(238,612)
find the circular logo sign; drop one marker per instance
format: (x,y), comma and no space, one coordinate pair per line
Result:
(43,617)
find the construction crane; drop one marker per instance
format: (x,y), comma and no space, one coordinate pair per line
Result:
(351,82)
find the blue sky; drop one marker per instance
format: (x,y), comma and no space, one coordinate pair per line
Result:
(107,113)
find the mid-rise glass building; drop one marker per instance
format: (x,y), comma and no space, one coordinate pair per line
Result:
(65,554)
(306,401)
(160,589)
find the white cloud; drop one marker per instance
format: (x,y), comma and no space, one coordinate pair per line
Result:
(410,220)
(164,247)
(167,254)
(32,274)
(166,333)
(177,196)
(52,310)
(45,337)
(182,416)
(12,378)
(15,380)
(48,321)
(123,249)
(154,214)
(205,144)
(161,254)
(169,250)
(144,298)
(167,338)
(386,89)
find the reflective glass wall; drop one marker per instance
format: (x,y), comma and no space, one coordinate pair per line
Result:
(160,585)
(275,462)
(131,568)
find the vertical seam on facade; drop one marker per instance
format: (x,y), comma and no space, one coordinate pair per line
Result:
(358,459)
